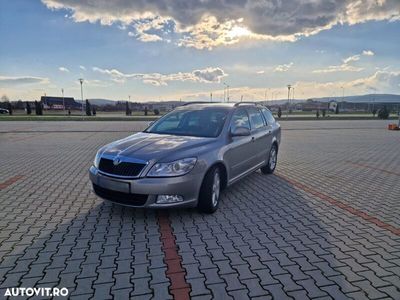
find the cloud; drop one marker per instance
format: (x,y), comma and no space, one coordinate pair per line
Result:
(283,68)
(63,69)
(94,83)
(22,80)
(383,80)
(340,68)
(82,68)
(208,24)
(260,72)
(207,75)
(351,58)
(368,53)
(346,67)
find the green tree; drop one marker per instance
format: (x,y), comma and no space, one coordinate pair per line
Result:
(128,111)
(317,113)
(383,113)
(10,108)
(88,108)
(28,108)
(4,98)
(156,111)
(40,106)
(145,110)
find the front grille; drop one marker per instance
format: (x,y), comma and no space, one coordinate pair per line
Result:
(127,169)
(119,197)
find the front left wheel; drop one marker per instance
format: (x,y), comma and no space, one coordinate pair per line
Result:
(210,191)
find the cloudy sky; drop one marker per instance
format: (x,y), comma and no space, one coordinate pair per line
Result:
(167,50)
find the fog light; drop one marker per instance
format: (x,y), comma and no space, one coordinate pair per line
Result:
(164,199)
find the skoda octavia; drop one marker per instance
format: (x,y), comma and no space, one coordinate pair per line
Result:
(188,156)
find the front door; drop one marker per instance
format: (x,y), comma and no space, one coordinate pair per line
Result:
(240,153)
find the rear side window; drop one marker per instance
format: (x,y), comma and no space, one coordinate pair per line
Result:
(268,116)
(256,119)
(240,119)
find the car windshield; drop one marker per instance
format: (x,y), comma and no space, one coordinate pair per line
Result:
(199,122)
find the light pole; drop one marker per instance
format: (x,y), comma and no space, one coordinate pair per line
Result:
(62,92)
(293,98)
(288,98)
(342,93)
(227,91)
(265,96)
(81,82)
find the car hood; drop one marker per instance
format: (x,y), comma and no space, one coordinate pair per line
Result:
(161,147)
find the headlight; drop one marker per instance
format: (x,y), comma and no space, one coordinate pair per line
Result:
(174,168)
(97,159)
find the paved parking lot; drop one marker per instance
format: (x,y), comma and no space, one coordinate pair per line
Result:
(325,226)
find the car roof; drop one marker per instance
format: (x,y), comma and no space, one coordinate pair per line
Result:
(200,105)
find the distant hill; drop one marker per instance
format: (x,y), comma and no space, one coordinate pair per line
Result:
(102,102)
(364,98)
(377,98)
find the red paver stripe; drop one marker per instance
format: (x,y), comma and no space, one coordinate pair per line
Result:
(373,168)
(179,288)
(10,181)
(342,205)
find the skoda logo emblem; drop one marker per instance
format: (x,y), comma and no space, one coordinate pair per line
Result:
(116,161)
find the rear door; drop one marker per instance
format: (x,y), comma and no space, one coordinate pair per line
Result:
(240,153)
(271,124)
(261,137)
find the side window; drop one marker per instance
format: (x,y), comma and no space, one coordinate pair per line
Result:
(268,116)
(240,119)
(256,119)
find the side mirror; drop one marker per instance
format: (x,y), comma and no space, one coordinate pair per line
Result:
(240,131)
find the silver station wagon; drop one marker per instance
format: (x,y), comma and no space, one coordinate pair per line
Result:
(188,156)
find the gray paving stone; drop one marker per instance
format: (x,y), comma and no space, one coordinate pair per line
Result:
(268,236)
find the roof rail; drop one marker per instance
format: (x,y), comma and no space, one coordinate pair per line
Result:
(245,102)
(197,102)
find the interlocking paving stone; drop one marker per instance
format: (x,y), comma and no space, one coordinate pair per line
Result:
(269,239)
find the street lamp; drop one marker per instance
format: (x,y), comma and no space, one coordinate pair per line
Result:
(227,91)
(62,92)
(293,98)
(265,96)
(288,97)
(81,82)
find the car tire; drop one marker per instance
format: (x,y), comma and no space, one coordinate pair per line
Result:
(269,168)
(210,191)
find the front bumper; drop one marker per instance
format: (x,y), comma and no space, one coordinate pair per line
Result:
(143,192)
